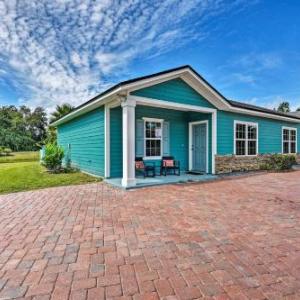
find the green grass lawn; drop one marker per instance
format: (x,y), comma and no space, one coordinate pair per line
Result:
(20,156)
(24,176)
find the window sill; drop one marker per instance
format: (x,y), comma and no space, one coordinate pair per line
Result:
(245,155)
(152,158)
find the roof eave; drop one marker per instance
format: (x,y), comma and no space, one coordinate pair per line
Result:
(268,115)
(97,102)
(183,72)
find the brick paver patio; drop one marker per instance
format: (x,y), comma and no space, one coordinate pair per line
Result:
(232,239)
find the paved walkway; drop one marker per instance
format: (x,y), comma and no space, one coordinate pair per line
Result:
(231,239)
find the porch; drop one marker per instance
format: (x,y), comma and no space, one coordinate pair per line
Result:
(163,180)
(152,129)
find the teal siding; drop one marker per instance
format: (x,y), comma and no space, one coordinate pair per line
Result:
(85,134)
(269,133)
(175,90)
(116,145)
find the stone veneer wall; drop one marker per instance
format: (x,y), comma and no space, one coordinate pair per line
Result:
(232,163)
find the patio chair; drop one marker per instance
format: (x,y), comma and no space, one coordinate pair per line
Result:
(147,169)
(168,163)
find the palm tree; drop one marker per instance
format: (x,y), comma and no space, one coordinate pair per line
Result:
(60,111)
(284,107)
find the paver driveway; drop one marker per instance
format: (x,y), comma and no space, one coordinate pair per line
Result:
(233,239)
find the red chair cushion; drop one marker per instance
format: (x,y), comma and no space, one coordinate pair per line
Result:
(169,163)
(139,165)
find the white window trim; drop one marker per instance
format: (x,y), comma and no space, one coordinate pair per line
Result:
(282,141)
(161,138)
(152,119)
(235,139)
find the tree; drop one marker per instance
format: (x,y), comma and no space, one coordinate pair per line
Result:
(60,111)
(21,128)
(298,109)
(284,107)
(51,137)
(36,122)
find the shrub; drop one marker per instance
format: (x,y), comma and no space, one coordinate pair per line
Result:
(53,157)
(4,151)
(7,151)
(280,162)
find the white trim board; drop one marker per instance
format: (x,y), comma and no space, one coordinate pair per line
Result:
(107,141)
(214,129)
(205,90)
(261,114)
(170,105)
(152,119)
(191,124)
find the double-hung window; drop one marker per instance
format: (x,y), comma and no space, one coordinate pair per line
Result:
(153,138)
(289,140)
(245,138)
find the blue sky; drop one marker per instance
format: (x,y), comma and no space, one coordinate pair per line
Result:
(59,51)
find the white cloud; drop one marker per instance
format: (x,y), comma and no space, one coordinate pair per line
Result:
(63,51)
(260,61)
(244,78)
(248,68)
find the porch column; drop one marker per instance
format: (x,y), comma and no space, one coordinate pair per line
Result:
(107,140)
(214,141)
(128,114)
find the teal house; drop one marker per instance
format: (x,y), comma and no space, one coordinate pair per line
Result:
(172,113)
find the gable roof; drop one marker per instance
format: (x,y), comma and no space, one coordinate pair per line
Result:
(130,81)
(225,104)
